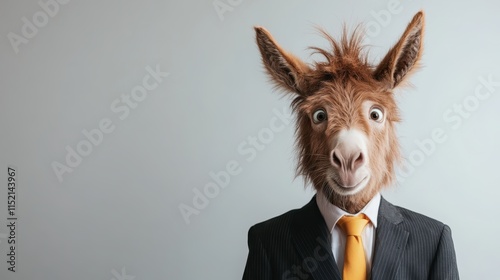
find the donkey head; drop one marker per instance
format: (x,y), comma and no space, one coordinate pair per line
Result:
(346,111)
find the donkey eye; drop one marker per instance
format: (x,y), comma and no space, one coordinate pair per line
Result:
(376,114)
(319,116)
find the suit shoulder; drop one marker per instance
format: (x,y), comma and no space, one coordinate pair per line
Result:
(410,214)
(421,222)
(274,225)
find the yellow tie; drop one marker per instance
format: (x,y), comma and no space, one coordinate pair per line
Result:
(354,258)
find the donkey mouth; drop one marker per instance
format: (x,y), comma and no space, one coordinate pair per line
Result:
(347,188)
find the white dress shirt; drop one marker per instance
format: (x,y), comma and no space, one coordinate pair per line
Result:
(332,215)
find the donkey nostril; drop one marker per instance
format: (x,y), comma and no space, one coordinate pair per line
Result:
(336,160)
(358,161)
(360,158)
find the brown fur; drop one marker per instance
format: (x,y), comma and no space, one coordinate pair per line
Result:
(340,85)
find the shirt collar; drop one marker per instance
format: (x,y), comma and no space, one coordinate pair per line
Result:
(332,213)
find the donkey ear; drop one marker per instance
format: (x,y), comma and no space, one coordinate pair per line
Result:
(404,57)
(286,70)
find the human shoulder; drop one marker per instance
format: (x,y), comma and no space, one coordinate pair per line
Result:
(417,222)
(283,225)
(275,225)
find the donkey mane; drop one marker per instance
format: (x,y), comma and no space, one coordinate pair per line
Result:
(346,57)
(346,61)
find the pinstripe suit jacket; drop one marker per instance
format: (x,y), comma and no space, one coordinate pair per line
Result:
(297,245)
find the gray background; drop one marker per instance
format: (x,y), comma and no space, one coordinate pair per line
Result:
(116,215)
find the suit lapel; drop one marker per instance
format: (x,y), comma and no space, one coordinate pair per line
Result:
(313,243)
(390,242)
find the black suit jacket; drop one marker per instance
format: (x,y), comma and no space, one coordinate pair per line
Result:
(297,245)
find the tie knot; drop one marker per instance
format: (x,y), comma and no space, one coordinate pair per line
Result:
(353,225)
